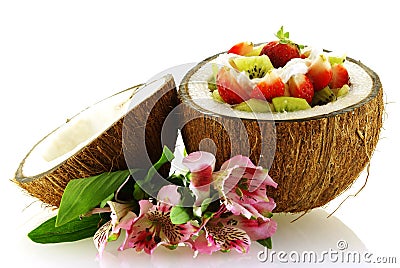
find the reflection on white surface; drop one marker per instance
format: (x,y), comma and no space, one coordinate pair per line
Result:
(313,232)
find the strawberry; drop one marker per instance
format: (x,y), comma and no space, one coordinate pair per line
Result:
(320,72)
(233,87)
(270,87)
(242,48)
(300,86)
(340,76)
(281,51)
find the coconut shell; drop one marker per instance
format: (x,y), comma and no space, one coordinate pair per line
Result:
(124,142)
(315,159)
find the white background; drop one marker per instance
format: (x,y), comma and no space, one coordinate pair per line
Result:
(57,58)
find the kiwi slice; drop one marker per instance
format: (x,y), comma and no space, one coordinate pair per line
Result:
(336,60)
(216,96)
(256,51)
(254,66)
(339,92)
(323,96)
(212,84)
(254,105)
(289,104)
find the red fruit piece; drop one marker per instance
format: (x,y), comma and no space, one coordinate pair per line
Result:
(279,53)
(320,72)
(242,48)
(230,88)
(271,87)
(340,76)
(300,86)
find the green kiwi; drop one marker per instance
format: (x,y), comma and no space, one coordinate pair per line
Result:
(323,96)
(336,60)
(289,104)
(340,92)
(254,105)
(254,66)
(216,96)
(256,51)
(212,84)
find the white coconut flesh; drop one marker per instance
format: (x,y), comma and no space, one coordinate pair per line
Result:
(83,128)
(198,91)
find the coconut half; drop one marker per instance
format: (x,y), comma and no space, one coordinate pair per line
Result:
(92,142)
(313,154)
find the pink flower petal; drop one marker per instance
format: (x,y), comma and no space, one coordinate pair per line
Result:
(145,206)
(126,222)
(201,165)
(196,161)
(205,246)
(238,209)
(237,161)
(265,207)
(169,194)
(255,228)
(154,228)
(228,237)
(100,238)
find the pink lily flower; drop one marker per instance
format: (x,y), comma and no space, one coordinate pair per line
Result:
(242,187)
(201,165)
(218,235)
(153,227)
(121,216)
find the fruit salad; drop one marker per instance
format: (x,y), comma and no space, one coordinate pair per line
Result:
(279,76)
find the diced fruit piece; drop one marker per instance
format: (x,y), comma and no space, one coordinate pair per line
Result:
(340,76)
(300,86)
(281,51)
(323,96)
(216,96)
(320,72)
(254,105)
(242,48)
(233,86)
(212,85)
(256,51)
(270,87)
(289,104)
(340,92)
(254,66)
(336,60)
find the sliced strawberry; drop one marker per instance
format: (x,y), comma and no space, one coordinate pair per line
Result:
(270,87)
(300,86)
(320,72)
(340,76)
(233,86)
(242,48)
(280,53)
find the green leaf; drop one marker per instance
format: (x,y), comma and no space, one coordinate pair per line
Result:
(181,215)
(108,198)
(138,193)
(267,242)
(204,205)
(74,230)
(82,195)
(167,156)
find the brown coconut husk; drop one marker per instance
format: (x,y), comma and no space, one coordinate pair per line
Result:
(106,152)
(315,160)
